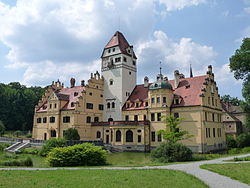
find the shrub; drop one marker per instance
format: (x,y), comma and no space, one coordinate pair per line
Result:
(234,151)
(18,133)
(171,152)
(3,146)
(34,151)
(71,134)
(50,144)
(231,142)
(245,150)
(25,162)
(78,155)
(243,140)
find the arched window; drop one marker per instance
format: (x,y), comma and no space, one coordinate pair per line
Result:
(98,134)
(118,136)
(53,133)
(110,119)
(111,82)
(113,104)
(52,119)
(108,105)
(129,136)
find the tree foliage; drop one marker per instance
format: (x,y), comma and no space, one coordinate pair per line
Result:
(71,134)
(240,65)
(173,132)
(50,144)
(17,103)
(2,128)
(233,100)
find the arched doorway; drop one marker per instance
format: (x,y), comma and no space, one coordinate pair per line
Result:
(129,136)
(118,136)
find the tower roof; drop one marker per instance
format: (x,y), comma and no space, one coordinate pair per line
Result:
(119,40)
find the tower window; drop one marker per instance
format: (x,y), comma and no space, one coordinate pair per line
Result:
(75,94)
(124,59)
(109,51)
(113,49)
(126,118)
(134,63)
(108,105)
(113,104)
(135,117)
(129,73)
(164,99)
(118,59)
(111,82)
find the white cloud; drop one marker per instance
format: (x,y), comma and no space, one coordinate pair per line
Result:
(247,10)
(172,5)
(174,55)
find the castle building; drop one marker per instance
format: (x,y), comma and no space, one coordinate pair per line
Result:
(113,109)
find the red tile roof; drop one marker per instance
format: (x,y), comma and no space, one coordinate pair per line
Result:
(189,90)
(70,95)
(119,40)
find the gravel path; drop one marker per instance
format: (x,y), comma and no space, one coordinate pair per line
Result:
(212,179)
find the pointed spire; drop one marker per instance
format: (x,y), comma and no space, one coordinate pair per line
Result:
(191,72)
(160,68)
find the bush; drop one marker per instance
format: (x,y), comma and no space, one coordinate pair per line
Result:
(50,144)
(171,152)
(3,146)
(231,142)
(71,134)
(34,151)
(243,140)
(234,151)
(78,155)
(25,162)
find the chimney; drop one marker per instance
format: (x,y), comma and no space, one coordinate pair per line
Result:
(82,83)
(72,82)
(176,78)
(146,81)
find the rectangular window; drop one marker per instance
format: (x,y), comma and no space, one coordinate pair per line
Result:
(206,133)
(89,106)
(88,120)
(118,59)
(137,105)
(164,99)
(153,136)
(44,120)
(152,117)
(66,119)
(213,116)
(158,99)
(100,106)
(158,116)
(146,104)
(159,138)
(55,105)
(134,63)
(135,117)
(52,119)
(144,117)
(176,101)
(214,132)
(209,133)
(152,100)
(39,120)
(176,115)
(212,101)
(127,118)
(139,138)
(50,106)
(205,116)
(124,59)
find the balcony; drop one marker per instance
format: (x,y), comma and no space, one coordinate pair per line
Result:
(121,123)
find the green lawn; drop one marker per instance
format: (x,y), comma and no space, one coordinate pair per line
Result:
(240,171)
(99,178)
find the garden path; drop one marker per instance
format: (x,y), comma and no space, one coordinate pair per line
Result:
(212,179)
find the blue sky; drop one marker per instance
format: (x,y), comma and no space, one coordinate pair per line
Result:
(43,40)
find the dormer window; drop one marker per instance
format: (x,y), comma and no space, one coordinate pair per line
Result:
(113,49)
(72,104)
(75,94)
(109,50)
(128,105)
(177,101)
(129,51)
(137,105)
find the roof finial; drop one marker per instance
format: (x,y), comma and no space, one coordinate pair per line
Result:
(160,68)
(191,72)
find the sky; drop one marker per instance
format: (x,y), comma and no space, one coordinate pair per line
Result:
(46,40)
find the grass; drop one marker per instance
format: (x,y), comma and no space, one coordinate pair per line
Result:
(99,178)
(239,171)
(235,159)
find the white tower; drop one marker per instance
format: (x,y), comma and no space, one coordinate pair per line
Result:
(119,72)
